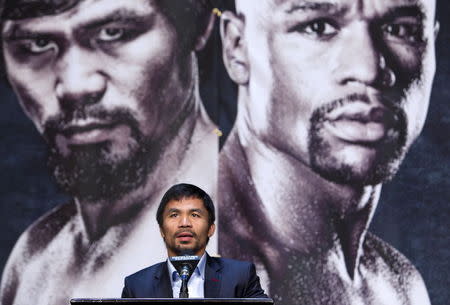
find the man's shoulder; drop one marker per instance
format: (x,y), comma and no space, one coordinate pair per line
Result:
(377,250)
(231,266)
(33,242)
(240,276)
(42,232)
(381,258)
(229,261)
(146,272)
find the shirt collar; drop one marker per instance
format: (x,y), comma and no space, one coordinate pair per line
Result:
(199,270)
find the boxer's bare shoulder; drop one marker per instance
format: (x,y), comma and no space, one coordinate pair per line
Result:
(30,249)
(386,263)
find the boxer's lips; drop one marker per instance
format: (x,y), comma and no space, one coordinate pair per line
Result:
(93,132)
(364,126)
(185,236)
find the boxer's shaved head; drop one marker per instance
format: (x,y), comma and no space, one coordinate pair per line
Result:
(341,85)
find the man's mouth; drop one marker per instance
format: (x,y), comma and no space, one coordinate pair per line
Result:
(185,236)
(89,132)
(360,123)
(80,128)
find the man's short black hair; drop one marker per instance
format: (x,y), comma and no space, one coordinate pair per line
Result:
(189,17)
(184,190)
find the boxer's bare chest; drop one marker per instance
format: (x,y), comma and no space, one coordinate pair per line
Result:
(68,269)
(326,281)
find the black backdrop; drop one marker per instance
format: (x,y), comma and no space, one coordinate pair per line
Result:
(414,210)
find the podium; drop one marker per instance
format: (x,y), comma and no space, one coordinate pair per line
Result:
(208,301)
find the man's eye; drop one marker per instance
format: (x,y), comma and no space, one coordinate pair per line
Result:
(404,32)
(195,215)
(173,215)
(111,34)
(40,45)
(318,28)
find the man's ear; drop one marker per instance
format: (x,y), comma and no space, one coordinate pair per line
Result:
(234,48)
(162,233)
(203,38)
(211,230)
(437,26)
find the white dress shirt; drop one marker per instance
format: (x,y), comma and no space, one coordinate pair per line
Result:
(196,282)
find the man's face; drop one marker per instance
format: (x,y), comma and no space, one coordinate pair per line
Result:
(343,86)
(185,226)
(104,82)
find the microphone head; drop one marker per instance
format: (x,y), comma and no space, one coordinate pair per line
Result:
(185,265)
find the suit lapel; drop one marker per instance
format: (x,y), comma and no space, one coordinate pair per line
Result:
(213,276)
(161,285)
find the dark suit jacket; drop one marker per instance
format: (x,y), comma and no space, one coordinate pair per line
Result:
(224,278)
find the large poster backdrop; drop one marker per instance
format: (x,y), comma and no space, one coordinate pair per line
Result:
(412,213)
(112,87)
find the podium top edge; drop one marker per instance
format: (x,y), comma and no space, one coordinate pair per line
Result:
(172,300)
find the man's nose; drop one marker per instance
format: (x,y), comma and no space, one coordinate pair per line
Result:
(361,59)
(80,79)
(185,221)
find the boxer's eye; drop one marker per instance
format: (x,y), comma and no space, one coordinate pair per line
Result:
(117,33)
(319,28)
(111,34)
(404,32)
(39,45)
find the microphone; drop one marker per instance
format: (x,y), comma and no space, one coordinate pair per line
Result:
(185,266)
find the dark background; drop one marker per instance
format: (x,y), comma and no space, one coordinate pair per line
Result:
(413,214)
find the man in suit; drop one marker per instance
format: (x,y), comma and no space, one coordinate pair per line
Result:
(186,220)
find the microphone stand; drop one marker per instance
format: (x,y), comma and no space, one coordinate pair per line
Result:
(184,293)
(185,266)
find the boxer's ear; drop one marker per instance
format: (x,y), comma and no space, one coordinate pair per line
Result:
(211,230)
(234,47)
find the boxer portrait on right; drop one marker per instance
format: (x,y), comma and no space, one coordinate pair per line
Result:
(331,96)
